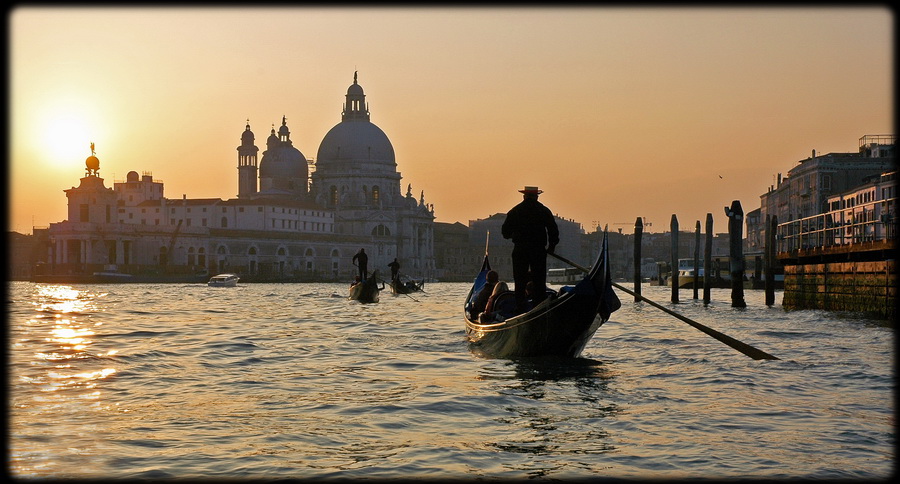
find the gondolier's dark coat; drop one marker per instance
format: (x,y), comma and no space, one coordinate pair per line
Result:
(363,263)
(530,224)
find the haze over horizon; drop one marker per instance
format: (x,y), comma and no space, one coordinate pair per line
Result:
(615,112)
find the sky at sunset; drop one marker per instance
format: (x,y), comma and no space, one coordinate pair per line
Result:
(614,112)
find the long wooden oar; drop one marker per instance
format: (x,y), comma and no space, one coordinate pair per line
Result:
(744,348)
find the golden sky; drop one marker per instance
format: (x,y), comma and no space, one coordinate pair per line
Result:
(615,113)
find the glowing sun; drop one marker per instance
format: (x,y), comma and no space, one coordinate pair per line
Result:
(67,129)
(68,138)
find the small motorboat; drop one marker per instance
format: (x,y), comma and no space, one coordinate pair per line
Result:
(224,280)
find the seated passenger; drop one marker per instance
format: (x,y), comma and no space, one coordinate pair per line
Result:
(488,314)
(481,299)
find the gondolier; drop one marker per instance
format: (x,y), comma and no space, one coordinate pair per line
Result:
(395,269)
(362,264)
(531,226)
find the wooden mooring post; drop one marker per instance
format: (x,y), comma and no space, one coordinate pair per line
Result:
(674,270)
(735,235)
(697,260)
(707,259)
(638,231)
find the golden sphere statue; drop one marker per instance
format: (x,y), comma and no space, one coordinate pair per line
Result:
(92,163)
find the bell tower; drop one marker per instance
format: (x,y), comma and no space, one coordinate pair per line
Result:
(355,108)
(247,164)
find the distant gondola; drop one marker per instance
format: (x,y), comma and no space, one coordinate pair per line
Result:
(367,290)
(400,287)
(561,325)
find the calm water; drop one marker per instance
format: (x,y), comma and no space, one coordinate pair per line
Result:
(294,380)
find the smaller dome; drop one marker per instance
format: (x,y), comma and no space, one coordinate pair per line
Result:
(132,176)
(355,90)
(247,135)
(92,163)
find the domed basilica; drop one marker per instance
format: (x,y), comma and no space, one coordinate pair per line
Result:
(294,219)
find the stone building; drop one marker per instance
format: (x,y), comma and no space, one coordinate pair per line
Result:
(284,225)
(805,190)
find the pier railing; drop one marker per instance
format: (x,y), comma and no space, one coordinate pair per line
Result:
(864,223)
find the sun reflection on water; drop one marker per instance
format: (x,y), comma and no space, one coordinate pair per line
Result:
(60,360)
(63,299)
(64,350)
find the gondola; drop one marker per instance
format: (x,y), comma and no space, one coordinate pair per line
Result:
(367,290)
(560,326)
(400,287)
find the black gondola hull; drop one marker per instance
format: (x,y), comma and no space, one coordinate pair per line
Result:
(562,329)
(367,290)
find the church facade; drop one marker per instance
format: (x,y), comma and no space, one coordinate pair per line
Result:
(293,220)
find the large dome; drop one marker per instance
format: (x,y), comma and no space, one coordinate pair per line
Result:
(356,141)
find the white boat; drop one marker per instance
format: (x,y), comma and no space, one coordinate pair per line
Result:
(722,278)
(224,280)
(563,276)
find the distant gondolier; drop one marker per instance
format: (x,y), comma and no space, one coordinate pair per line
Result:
(362,262)
(395,269)
(533,230)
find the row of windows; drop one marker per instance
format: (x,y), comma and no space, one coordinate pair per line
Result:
(376,193)
(252,251)
(859,199)
(312,213)
(285,224)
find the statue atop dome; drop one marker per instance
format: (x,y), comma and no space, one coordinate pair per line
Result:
(92,164)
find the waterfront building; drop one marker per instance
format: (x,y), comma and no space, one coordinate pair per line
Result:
(863,218)
(456,259)
(866,214)
(285,224)
(805,190)
(836,229)
(356,178)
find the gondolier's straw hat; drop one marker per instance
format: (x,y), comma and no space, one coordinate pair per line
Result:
(528,190)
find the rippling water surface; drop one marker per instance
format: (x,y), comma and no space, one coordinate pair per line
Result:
(294,380)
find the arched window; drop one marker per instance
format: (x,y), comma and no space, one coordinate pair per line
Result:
(381,231)
(224,222)
(376,194)
(334,195)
